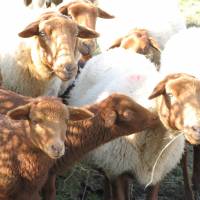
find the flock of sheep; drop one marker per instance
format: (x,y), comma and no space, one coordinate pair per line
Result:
(130,109)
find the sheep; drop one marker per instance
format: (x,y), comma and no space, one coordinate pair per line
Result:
(85,14)
(181,54)
(32,138)
(115,116)
(37,63)
(38,3)
(137,79)
(161,18)
(138,40)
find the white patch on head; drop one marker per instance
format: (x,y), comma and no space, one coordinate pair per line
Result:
(190,116)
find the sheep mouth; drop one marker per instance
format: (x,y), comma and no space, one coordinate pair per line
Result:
(55,154)
(191,139)
(64,76)
(192,136)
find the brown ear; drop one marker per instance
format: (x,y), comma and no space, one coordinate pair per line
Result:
(154,44)
(160,88)
(116,43)
(76,113)
(19,113)
(110,118)
(84,32)
(103,14)
(31,30)
(64,9)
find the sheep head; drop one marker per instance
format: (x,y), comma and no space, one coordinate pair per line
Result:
(47,119)
(85,14)
(56,43)
(138,40)
(179,104)
(123,114)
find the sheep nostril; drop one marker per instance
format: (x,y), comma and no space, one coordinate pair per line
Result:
(196,129)
(56,148)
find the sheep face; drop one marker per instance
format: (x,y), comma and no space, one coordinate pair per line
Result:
(47,119)
(85,14)
(125,115)
(138,40)
(179,104)
(56,38)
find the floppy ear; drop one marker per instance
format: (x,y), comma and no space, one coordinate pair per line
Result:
(19,113)
(158,90)
(154,44)
(116,43)
(76,113)
(103,14)
(31,30)
(84,32)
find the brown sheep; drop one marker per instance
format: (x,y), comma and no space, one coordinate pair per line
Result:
(138,40)
(32,137)
(47,55)
(85,13)
(115,116)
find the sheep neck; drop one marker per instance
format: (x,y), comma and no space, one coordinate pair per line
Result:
(30,54)
(83,136)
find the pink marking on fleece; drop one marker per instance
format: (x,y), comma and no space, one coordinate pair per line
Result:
(135,77)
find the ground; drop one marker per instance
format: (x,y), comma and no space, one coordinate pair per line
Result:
(85,183)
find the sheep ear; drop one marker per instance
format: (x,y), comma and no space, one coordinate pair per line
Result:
(76,113)
(160,88)
(19,113)
(116,43)
(110,118)
(64,9)
(86,32)
(31,30)
(103,14)
(154,43)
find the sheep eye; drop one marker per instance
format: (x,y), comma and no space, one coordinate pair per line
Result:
(42,34)
(128,114)
(170,95)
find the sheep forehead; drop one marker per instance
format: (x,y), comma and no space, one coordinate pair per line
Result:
(82,7)
(58,22)
(184,87)
(50,110)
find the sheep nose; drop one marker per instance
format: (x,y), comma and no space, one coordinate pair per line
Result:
(196,132)
(67,73)
(57,149)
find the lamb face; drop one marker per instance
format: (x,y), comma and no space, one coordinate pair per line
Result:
(179,104)
(47,119)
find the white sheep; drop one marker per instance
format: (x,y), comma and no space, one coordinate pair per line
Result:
(161,18)
(181,53)
(134,76)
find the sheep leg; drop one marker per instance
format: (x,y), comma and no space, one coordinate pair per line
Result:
(187,183)
(49,189)
(121,188)
(152,192)
(196,171)
(107,189)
